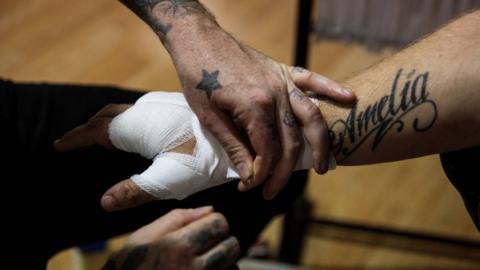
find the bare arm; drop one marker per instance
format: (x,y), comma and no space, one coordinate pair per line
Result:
(423,100)
(223,79)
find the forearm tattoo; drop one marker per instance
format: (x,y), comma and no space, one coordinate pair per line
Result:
(173,8)
(386,114)
(209,82)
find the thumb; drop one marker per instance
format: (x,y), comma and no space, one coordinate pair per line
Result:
(228,135)
(323,86)
(125,194)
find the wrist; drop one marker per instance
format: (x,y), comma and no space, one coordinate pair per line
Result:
(192,31)
(167,16)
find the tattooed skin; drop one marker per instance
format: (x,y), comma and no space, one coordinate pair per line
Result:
(220,258)
(209,82)
(144,9)
(385,115)
(298,69)
(289,119)
(297,94)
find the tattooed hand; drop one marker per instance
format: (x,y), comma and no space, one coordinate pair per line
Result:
(190,239)
(240,95)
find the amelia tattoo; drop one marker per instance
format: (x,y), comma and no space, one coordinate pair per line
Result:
(385,115)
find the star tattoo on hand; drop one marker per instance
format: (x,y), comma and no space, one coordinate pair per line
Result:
(209,82)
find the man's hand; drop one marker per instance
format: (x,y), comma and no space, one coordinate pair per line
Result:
(253,90)
(182,239)
(124,194)
(236,91)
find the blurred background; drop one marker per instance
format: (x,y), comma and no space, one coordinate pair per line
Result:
(101,42)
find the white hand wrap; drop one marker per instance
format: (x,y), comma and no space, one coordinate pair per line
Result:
(162,121)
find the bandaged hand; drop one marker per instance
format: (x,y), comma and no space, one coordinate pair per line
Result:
(162,127)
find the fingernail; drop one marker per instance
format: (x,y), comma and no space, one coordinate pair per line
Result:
(109,202)
(244,171)
(200,211)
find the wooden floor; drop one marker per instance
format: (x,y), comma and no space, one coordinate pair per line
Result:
(101,42)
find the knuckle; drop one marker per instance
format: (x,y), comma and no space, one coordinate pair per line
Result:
(132,193)
(107,110)
(108,107)
(263,100)
(294,147)
(310,75)
(232,246)
(94,123)
(235,243)
(312,112)
(181,248)
(219,222)
(205,117)
(177,214)
(235,151)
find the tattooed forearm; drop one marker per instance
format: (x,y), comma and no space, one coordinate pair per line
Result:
(377,119)
(209,82)
(155,12)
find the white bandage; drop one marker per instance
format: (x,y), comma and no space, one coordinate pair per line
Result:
(158,123)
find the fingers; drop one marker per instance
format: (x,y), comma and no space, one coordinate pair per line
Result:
(314,128)
(125,194)
(311,81)
(203,234)
(261,126)
(95,131)
(222,256)
(291,145)
(168,223)
(112,110)
(266,144)
(224,130)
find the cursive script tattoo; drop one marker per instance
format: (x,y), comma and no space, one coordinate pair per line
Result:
(377,119)
(209,82)
(289,119)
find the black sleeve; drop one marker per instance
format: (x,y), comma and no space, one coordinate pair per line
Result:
(463,169)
